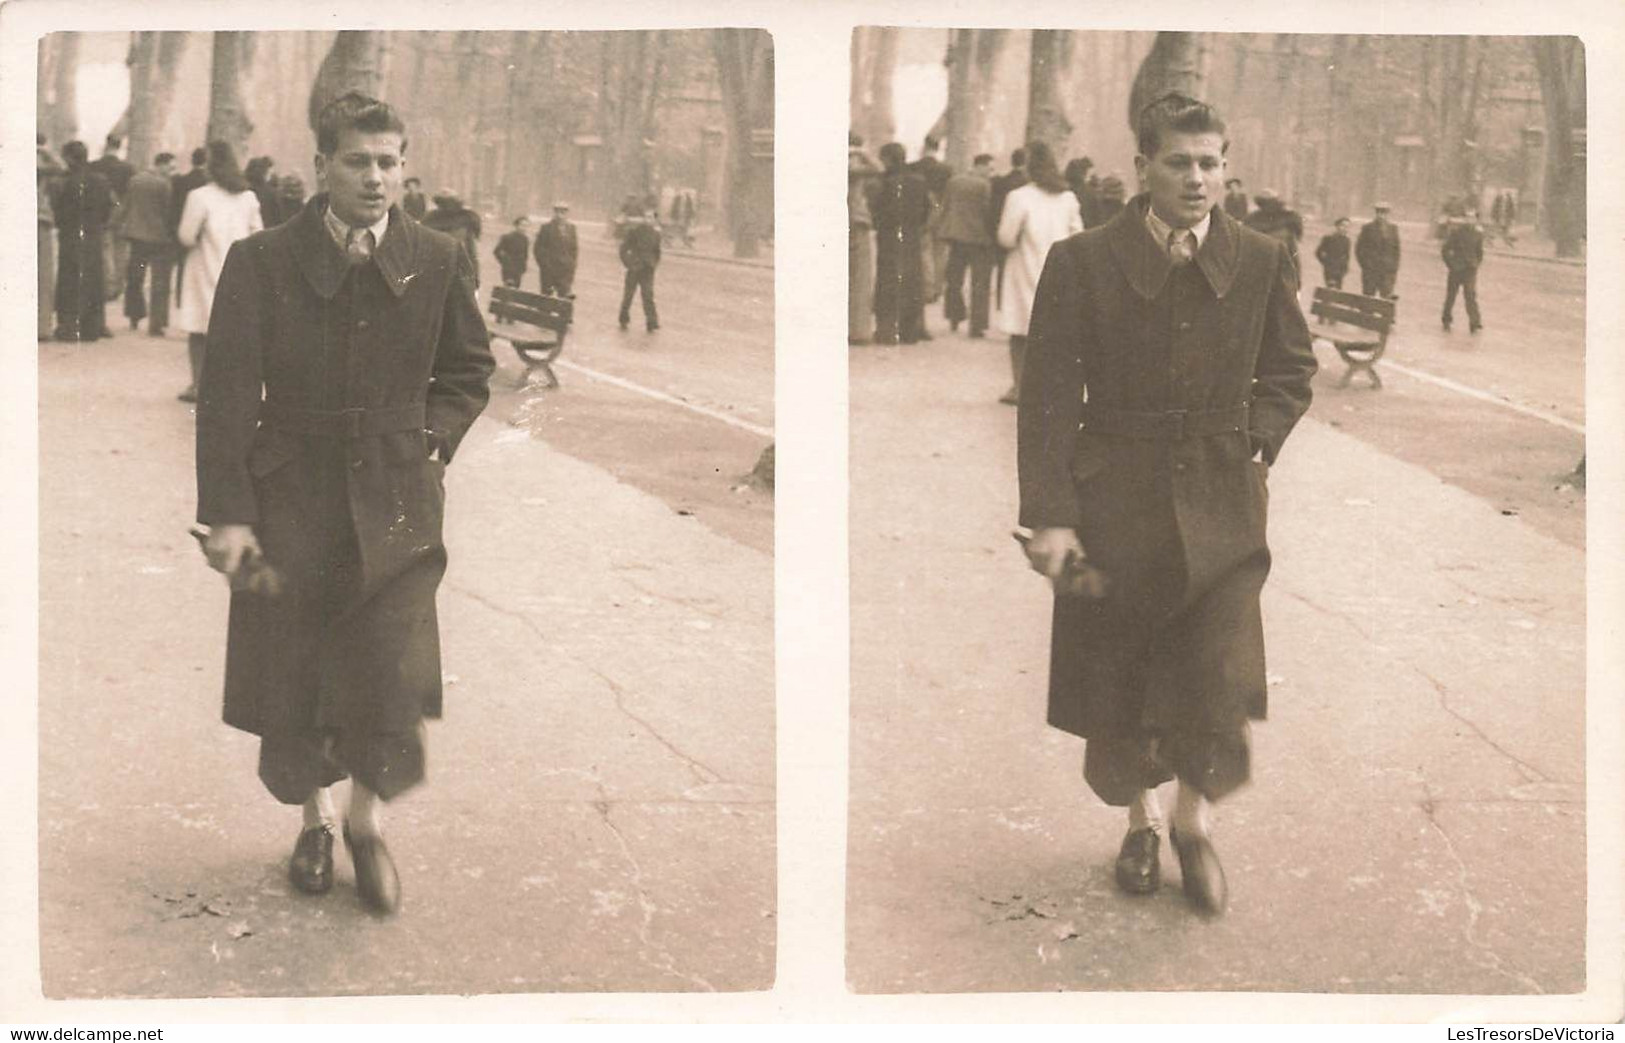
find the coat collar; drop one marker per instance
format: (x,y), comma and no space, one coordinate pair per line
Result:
(1145,263)
(325,265)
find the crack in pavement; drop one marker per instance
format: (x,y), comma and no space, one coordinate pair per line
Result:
(1529,771)
(676,599)
(700,770)
(646,904)
(1475,908)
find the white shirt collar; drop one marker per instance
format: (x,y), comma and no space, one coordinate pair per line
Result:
(1161,229)
(341,231)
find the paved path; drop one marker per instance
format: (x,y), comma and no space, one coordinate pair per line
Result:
(1416,823)
(599,812)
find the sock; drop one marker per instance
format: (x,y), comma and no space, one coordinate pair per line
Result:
(1191,811)
(363,817)
(1145,812)
(319,809)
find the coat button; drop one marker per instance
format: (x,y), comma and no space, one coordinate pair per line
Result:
(357,464)
(1179,465)
(1184,325)
(362,324)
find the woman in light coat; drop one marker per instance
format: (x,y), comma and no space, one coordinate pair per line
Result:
(216,215)
(1036,216)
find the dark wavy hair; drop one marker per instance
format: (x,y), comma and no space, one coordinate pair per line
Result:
(1043,170)
(223,168)
(356,111)
(1176,112)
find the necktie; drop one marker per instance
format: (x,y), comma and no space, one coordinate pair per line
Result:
(358,245)
(1181,246)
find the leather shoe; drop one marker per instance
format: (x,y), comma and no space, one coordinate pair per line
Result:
(375,878)
(1139,869)
(1201,875)
(311,867)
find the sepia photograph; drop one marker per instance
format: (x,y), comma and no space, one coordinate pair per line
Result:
(406,512)
(1218,512)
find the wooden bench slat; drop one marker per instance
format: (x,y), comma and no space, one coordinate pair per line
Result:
(1350,316)
(1375,305)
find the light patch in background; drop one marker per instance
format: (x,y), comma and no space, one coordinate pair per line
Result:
(920,94)
(103,95)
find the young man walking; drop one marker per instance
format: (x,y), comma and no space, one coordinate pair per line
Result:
(346,360)
(1167,362)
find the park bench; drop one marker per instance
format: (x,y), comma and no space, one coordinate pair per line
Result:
(551,317)
(1374,315)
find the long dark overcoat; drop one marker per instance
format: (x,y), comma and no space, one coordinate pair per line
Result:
(332,397)
(1147,391)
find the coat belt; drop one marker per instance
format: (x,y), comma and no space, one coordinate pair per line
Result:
(1171,425)
(356,422)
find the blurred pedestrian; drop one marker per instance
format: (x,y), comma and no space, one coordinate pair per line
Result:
(152,247)
(682,215)
(1113,197)
(47,170)
(347,360)
(262,182)
(290,194)
(900,207)
(557,249)
(934,259)
(1077,182)
(115,246)
(862,173)
(970,248)
(81,203)
(513,252)
(1377,250)
(1463,253)
(1036,216)
(1278,221)
(181,186)
(462,224)
(414,202)
(1168,363)
(1235,199)
(640,254)
(216,215)
(1002,185)
(1333,254)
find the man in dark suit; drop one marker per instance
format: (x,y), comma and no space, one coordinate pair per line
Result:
(116,247)
(640,254)
(1235,200)
(414,202)
(346,361)
(82,204)
(513,252)
(1463,253)
(1377,250)
(1167,362)
(900,208)
(557,249)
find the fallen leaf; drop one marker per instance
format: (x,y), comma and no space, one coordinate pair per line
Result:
(239,929)
(1064,931)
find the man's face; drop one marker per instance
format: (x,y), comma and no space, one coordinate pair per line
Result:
(362,176)
(1185,177)
(167,168)
(983,169)
(1382,216)
(1343,227)
(523,225)
(560,214)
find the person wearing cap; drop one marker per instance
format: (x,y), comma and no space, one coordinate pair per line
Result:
(556,250)
(1377,250)
(1167,362)
(152,246)
(513,252)
(1235,200)
(456,220)
(1276,220)
(346,359)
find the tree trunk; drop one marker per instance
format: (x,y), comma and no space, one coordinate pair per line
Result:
(60,98)
(228,109)
(959,119)
(874,63)
(1560,62)
(1046,110)
(353,63)
(155,60)
(1174,64)
(744,60)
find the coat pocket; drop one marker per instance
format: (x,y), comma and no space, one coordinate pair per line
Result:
(1089,458)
